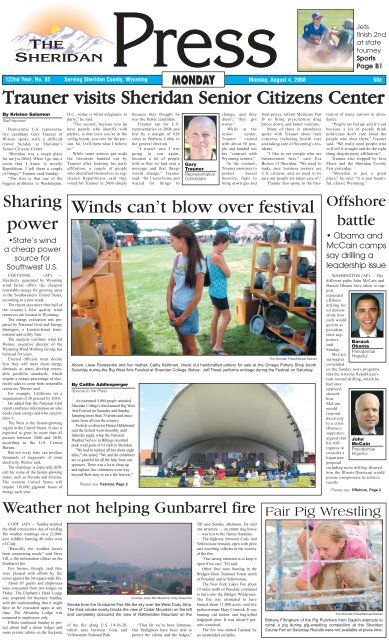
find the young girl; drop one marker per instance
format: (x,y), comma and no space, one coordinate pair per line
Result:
(334,541)
(185,287)
(218,273)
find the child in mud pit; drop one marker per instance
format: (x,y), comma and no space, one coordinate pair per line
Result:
(334,541)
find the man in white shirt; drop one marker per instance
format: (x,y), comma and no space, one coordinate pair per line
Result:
(367,311)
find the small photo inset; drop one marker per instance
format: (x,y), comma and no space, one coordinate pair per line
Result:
(200,287)
(325,40)
(129,559)
(367,412)
(367,319)
(324,564)
(200,137)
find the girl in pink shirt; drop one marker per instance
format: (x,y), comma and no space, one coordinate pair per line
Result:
(334,541)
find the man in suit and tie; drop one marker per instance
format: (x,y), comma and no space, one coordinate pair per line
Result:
(367,311)
(367,413)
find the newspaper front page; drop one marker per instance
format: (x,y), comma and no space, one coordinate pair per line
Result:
(194,273)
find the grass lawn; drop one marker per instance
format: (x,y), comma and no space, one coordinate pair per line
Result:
(146,272)
(303,482)
(331,18)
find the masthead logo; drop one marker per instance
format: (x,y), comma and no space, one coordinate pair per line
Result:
(56,37)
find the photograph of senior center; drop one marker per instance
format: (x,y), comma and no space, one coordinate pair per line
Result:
(193,287)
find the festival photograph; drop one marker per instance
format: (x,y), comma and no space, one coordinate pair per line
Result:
(224,436)
(193,287)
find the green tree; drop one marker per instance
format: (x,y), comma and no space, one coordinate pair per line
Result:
(126,226)
(129,226)
(204,224)
(219,224)
(191,223)
(174,586)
